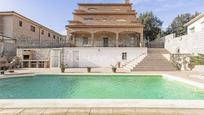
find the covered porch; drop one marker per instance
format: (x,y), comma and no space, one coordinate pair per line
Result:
(106,39)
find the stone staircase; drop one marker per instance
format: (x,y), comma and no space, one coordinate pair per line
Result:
(128,67)
(155,61)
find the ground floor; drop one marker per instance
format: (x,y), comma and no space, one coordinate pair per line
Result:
(80,57)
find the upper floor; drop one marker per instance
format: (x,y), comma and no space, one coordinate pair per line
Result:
(104,14)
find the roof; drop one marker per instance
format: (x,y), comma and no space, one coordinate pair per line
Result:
(195,19)
(105,4)
(31,21)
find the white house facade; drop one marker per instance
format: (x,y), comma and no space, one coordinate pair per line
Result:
(196,24)
(192,43)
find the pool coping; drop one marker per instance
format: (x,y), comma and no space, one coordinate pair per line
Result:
(106,103)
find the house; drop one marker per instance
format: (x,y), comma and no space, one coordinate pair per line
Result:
(192,43)
(196,24)
(104,34)
(27,32)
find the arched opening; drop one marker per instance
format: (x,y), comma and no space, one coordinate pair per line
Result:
(81,38)
(104,39)
(129,39)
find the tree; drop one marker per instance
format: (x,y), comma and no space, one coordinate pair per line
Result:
(177,26)
(152,25)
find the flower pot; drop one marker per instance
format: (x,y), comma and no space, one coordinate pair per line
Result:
(114,70)
(62,70)
(89,70)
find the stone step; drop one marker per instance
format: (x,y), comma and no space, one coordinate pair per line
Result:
(154,70)
(155,61)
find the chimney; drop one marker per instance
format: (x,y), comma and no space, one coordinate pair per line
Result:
(127,1)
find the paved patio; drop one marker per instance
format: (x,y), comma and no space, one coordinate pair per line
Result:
(101,111)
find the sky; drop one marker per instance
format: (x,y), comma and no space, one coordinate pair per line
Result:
(55,14)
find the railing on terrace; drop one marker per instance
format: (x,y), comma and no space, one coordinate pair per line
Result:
(100,43)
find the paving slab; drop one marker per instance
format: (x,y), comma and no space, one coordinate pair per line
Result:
(124,111)
(78,111)
(32,112)
(101,111)
(11,111)
(55,112)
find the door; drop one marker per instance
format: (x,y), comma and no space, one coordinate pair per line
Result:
(75,59)
(105,42)
(55,59)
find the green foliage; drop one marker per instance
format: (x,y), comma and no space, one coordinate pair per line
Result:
(62,67)
(177,26)
(197,60)
(152,25)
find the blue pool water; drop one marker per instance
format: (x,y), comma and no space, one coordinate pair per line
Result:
(96,87)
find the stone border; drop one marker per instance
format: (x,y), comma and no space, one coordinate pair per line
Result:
(99,103)
(183,80)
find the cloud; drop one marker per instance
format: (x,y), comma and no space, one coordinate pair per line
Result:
(64,32)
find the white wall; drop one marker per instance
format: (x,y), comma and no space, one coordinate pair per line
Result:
(191,43)
(87,57)
(198,25)
(100,57)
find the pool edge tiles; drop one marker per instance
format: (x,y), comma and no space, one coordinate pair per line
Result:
(102,103)
(183,80)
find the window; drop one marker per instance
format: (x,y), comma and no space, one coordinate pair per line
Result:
(121,20)
(105,19)
(85,41)
(124,56)
(202,25)
(116,9)
(92,9)
(32,28)
(192,30)
(48,34)
(88,18)
(42,32)
(54,36)
(20,23)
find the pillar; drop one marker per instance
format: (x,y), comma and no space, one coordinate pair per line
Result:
(117,39)
(141,40)
(92,39)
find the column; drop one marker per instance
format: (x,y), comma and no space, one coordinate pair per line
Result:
(117,39)
(141,40)
(92,39)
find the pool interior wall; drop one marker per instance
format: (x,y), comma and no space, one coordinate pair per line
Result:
(97,87)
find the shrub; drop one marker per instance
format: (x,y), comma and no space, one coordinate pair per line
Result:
(197,60)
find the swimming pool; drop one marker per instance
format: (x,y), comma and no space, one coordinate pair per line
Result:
(97,87)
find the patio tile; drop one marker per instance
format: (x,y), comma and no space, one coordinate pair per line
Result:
(10,111)
(147,112)
(78,111)
(101,111)
(32,112)
(190,112)
(124,111)
(55,112)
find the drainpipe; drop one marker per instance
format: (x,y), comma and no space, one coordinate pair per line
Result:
(39,37)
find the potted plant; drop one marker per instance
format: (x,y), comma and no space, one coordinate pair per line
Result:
(114,69)
(89,69)
(62,67)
